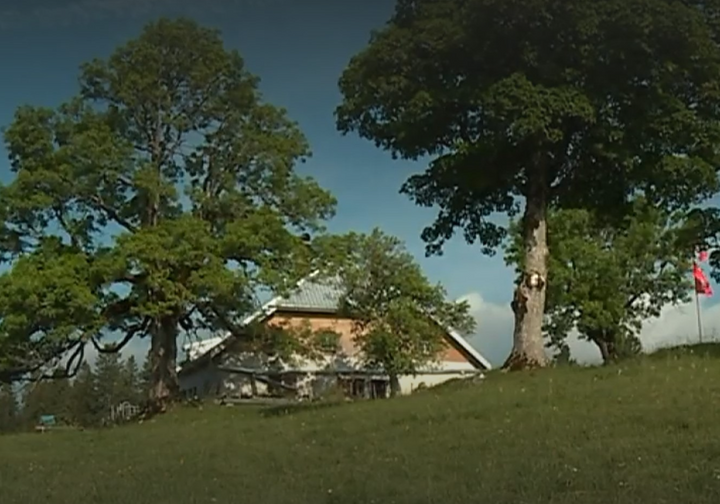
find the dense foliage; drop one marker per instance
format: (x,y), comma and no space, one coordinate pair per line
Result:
(541,104)
(702,231)
(160,200)
(83,401)
(400,318)
(605,281)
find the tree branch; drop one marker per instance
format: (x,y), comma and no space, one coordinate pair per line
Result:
(637,296)
(75,360)
(186,322)
(97,200)
(60,216)
(209,311)
(119,308)
(34,364)
(131,333)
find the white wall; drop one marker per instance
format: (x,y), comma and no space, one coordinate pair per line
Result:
(239,385)
(436,374)
(408,383)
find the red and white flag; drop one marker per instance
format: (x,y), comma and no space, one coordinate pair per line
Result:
(702,284)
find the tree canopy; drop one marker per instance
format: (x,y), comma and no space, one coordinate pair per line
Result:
(605,281)
(161,199)
(702,231)
(400,318)
(541,104)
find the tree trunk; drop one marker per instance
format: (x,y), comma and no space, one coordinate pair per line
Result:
(394,385)
(528,303)
(606,343)
(606,351)
(164,385)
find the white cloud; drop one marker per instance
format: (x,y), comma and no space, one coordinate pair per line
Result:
(676,325)
(493,334)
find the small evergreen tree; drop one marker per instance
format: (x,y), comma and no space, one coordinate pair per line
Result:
(84,399)
(109,375)
(129,389)
(145,381)
(48,397)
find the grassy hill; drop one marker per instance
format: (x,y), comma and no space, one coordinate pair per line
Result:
(647,431)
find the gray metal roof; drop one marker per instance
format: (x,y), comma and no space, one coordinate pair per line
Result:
(313,294)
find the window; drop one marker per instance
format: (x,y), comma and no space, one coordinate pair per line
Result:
(358,388)
(364,387)
(379,389)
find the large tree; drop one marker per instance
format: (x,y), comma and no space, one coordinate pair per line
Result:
(400,318)
(159,200)
(605,281)
(538,104)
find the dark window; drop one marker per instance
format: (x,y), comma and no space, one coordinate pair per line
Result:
(364,388)
(379,389)
(358,388)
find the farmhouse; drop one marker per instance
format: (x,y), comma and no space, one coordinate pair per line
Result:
(221,367)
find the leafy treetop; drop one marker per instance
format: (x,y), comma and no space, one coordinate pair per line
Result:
(588,102)
(158,200)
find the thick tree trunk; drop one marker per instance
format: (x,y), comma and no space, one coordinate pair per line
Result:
(607,351)
(606,343)
(528,303)
(164,387)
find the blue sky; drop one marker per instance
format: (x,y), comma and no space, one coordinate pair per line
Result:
(299,49)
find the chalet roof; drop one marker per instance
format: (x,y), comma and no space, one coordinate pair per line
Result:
(313,294)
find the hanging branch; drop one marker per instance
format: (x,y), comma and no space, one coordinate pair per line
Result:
(132,331)
(28,369)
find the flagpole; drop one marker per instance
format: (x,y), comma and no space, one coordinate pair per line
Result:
(699,315)
(702,285)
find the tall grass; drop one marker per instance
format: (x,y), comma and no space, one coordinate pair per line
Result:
(642,432)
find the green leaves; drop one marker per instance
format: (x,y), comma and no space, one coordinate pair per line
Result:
(49,305)
(702,232)
(605,281)
(167,183)
(565,105)
(598,101)
(400,318)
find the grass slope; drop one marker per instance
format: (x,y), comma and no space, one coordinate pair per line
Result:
(643,432)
